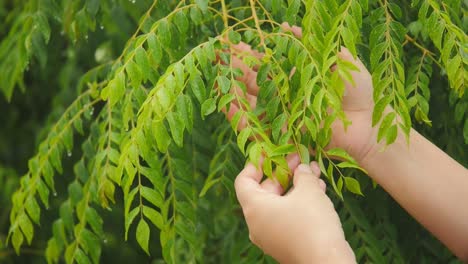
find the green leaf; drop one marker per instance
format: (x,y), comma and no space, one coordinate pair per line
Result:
(68,139)
(272,108)
(80,257)
(155,48)
(236,119)
(198,88)
(177,127)
(33,210)
(347,164)
(202,4)
(243,137)
(234,37)
(348,39)
(26,227)
(255,152)
(142,235)
(185,108)
(377,53)
(283,150)
(341,153)
(151,196)
(224,84)
(396,10)
(379,109)
(116,88)
(385,125)
(154,216)
(277,124)
(55,159)
(42,24)
(282,175)
(91,245)
(225,100)
(377,33)
(78,124)
(304,154)
(129,218)
(43,193)
(94,220)
(317,103)
(207,186)
(181,21)
(141,58)
(196,15)
(75,192)
(391,135)
(311,127)
(179,75)
(134,73)
(208,107)
(353,185)
(17,240)
(262,74)
(453,65)
(163,139)
(339,185)
(164,32)
(267,168)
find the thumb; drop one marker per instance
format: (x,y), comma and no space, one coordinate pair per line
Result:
(247,183)
(307,176)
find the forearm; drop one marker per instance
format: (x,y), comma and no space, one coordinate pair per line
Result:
(339,253)
(429,184)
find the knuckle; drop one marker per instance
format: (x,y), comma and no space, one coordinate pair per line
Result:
(254,239)
(237,183)
(248,212)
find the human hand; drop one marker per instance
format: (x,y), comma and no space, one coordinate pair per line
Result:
(358,104)
(299,227)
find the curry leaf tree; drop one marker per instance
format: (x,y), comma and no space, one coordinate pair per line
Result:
(143,133)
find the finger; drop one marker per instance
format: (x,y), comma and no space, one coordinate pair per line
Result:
(233,109)
(293,161)
(249,76)
(247,182)
(297,31)
(305,178)
(244,48)
(272,186)
(252,99)
(315,168)
(322,185)
(346,55)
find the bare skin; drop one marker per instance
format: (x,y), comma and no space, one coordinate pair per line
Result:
(299,227)
(429,184)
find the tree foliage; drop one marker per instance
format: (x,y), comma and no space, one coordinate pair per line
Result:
(134,92)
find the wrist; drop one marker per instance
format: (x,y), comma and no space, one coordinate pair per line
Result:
(372,146)
(380,153)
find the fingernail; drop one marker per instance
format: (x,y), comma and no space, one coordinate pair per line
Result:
(315,168)
(303,168)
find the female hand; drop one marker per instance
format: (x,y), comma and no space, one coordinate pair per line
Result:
(358,102)
(300,227)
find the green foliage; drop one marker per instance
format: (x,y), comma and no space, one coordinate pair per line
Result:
(142,135)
